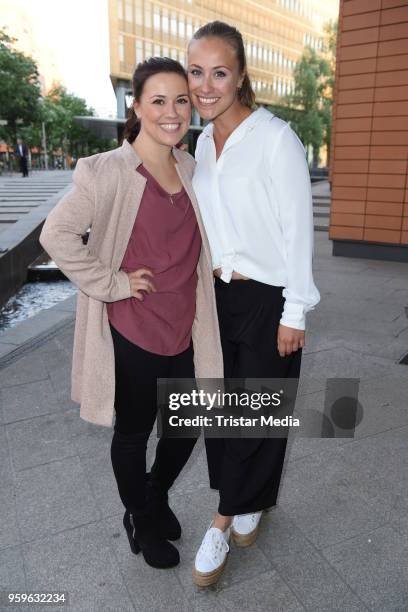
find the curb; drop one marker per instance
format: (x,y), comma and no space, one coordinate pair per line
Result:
(36,330)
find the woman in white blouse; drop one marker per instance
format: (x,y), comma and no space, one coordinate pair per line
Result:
(253,188)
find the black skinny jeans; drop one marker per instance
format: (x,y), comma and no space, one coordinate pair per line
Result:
(136,371)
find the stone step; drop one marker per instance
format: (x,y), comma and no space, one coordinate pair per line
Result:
(27,199)
(325,203)
(7,211)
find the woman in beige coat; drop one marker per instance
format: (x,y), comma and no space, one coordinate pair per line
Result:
(146,303)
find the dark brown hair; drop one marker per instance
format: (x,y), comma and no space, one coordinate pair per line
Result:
(144,70)
(232,36)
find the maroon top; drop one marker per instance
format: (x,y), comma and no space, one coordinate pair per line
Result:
(166,239)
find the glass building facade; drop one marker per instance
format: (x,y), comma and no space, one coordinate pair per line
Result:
(274,31)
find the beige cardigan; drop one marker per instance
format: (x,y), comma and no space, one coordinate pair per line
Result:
(106,196)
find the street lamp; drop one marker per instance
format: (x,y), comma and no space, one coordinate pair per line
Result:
(44,138)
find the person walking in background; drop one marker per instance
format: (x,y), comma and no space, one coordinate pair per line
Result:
(146,301)
(253,187)
(22,153)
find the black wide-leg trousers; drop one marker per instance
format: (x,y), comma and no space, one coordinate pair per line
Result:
(247,471)
(136,373)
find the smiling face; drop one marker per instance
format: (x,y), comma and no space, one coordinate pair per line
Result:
(213,76)
(164,108)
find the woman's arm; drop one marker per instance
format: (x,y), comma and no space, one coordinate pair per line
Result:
(61,237)
(290,175)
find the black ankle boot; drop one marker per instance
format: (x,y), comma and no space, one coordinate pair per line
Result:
(157,503)
(143,536)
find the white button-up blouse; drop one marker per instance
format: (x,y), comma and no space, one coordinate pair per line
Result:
(256,204)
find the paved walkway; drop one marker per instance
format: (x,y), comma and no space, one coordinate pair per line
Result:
(20,196)
(338,539)
(321,205)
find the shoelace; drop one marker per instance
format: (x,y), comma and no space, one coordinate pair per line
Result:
(213,544)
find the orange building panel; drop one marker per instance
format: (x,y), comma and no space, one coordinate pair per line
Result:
(394,62)
(352,152)
(356,96)
(355,82)
(347,219)
(382,222)
(358,37)
(354,7)
(348,206)
(359,166)
(388,152)
(390,138)
(392,78)
(387,180)
(382,235)
(345,233)
(384,208)
(394,32)
(357,22)
(359,52)
(369,151)
(349,180)
(361,66)
(390,124)
(387,4)
(392,47)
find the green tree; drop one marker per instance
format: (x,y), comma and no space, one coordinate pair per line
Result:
(310,76)
(59,109)
(327,98)
(58,112)
(20,89)
(309,108)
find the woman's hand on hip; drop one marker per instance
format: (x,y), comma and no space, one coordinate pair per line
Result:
(289,340)
(139,283)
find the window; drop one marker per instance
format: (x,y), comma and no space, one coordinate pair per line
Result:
(165,21)
(148,15)
(138,15)
(173,53)
(157,50)
(156,17)
(181,27)
(166,51)
(129,11)
(173,24)
(121,48)
(182,57)
(148,49)
(189,27)
(139,51)
(120,9)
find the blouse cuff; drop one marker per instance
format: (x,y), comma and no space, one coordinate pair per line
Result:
(293,315)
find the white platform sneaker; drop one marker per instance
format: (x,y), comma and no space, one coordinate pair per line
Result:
(244,528)
(211,556)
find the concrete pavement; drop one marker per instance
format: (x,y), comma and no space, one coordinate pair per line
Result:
(338,539)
